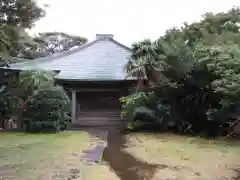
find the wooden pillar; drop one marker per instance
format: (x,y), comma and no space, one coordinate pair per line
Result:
(140,84)
(74,106)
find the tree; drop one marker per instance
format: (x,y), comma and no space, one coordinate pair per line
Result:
(55,42)
(143,61)
(20,13)
(45,105)
(219,28)
(199,77)
(151,58)
(15,17)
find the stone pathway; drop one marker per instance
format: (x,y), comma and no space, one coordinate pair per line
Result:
(98,142)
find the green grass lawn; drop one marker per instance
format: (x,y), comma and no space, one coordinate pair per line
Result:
(33,156)
(48,157)
(56,157)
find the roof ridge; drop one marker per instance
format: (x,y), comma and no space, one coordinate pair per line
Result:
(119,44)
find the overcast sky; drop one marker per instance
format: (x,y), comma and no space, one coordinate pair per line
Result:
(128,20)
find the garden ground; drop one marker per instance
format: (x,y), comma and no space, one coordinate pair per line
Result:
(57,157)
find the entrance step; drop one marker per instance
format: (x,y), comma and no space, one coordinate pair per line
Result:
(77,127)
(99,114)
(100,121)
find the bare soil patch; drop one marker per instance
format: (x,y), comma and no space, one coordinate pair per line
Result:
(187,158)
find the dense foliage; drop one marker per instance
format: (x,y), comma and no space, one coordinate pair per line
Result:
(9,103)
(15,17)
(193,74)
(45,105)
(33,80)
(49,43)
(47,110)
(56,42)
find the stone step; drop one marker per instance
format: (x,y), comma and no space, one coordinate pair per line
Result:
(100,118)
(99,113)
(101,123)
(90,121)
(97,127)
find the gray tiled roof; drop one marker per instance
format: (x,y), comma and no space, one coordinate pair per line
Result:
(102,59)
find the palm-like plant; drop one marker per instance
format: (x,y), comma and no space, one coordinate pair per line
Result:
(32,80)
(144,62)
(150,59)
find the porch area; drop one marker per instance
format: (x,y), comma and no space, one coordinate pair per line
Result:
(97,107)
(100,118)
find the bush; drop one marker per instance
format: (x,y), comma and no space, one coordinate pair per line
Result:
(46,110)
(194,74)
(8,104)
(149,112)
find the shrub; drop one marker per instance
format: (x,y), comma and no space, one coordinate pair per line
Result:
(46,110)
(8,104)
(129,103)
